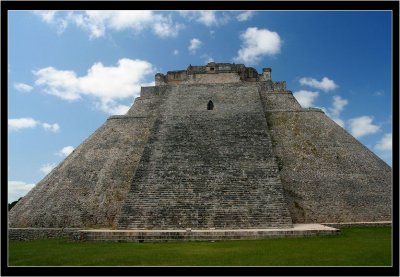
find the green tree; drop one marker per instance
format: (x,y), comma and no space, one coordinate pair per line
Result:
(13,203)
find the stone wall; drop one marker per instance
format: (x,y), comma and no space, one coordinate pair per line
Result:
(41,233)
(279,100)
(89,187)
(214,73)
(207,168)
(213,78)
(256,160)
(280,86)
(203,235)
(342,225)
(328,175)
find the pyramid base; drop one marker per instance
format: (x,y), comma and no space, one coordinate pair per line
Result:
(298,230)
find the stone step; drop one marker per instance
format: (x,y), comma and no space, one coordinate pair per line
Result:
(203,235)
(204,169)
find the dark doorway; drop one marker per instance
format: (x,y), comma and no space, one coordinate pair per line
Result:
(210,105)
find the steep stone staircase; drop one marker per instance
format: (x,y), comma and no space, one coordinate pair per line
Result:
(206,169)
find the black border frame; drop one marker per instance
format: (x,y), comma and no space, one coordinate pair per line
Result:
(392,6)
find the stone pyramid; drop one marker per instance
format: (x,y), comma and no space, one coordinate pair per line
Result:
(215,146)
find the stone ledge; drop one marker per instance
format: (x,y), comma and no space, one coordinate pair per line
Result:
(298,230)
(359,224)
(278,92)
(302,110)
(40,233)
(125,117)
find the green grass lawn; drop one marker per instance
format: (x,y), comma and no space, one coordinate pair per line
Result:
(367,246)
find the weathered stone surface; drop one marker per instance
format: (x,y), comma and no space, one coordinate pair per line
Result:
(327,174)
(255,160)
(207,168)
(42,233)
(298,230)
(212,73)
(90,185)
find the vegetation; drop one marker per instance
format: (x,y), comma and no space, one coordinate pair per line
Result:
(12,204)
(366,246)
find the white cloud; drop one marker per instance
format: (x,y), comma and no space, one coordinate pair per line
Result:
(325,84)
(47,168)
(207,18)
(256,44)
(46,16)
(118,109)
(338,105)
(361,126)
(50,18)
(115,82)
(23,87)
(98,22)
(61,83)
(207,58)
(306,98)
(149,84)
(51,127)
(194,45)
(339,121)
(244,16)
(65,151)
(385,143)
(379,93)
(164,27)
(175,52)
(105,84)
(120,20)
(16,124)
(17,189)
(112,107)
(89,23)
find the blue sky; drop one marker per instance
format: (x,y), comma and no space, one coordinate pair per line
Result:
(69,70)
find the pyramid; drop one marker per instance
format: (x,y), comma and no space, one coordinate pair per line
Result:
(218,146)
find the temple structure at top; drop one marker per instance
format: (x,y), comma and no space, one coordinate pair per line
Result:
(213,73)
